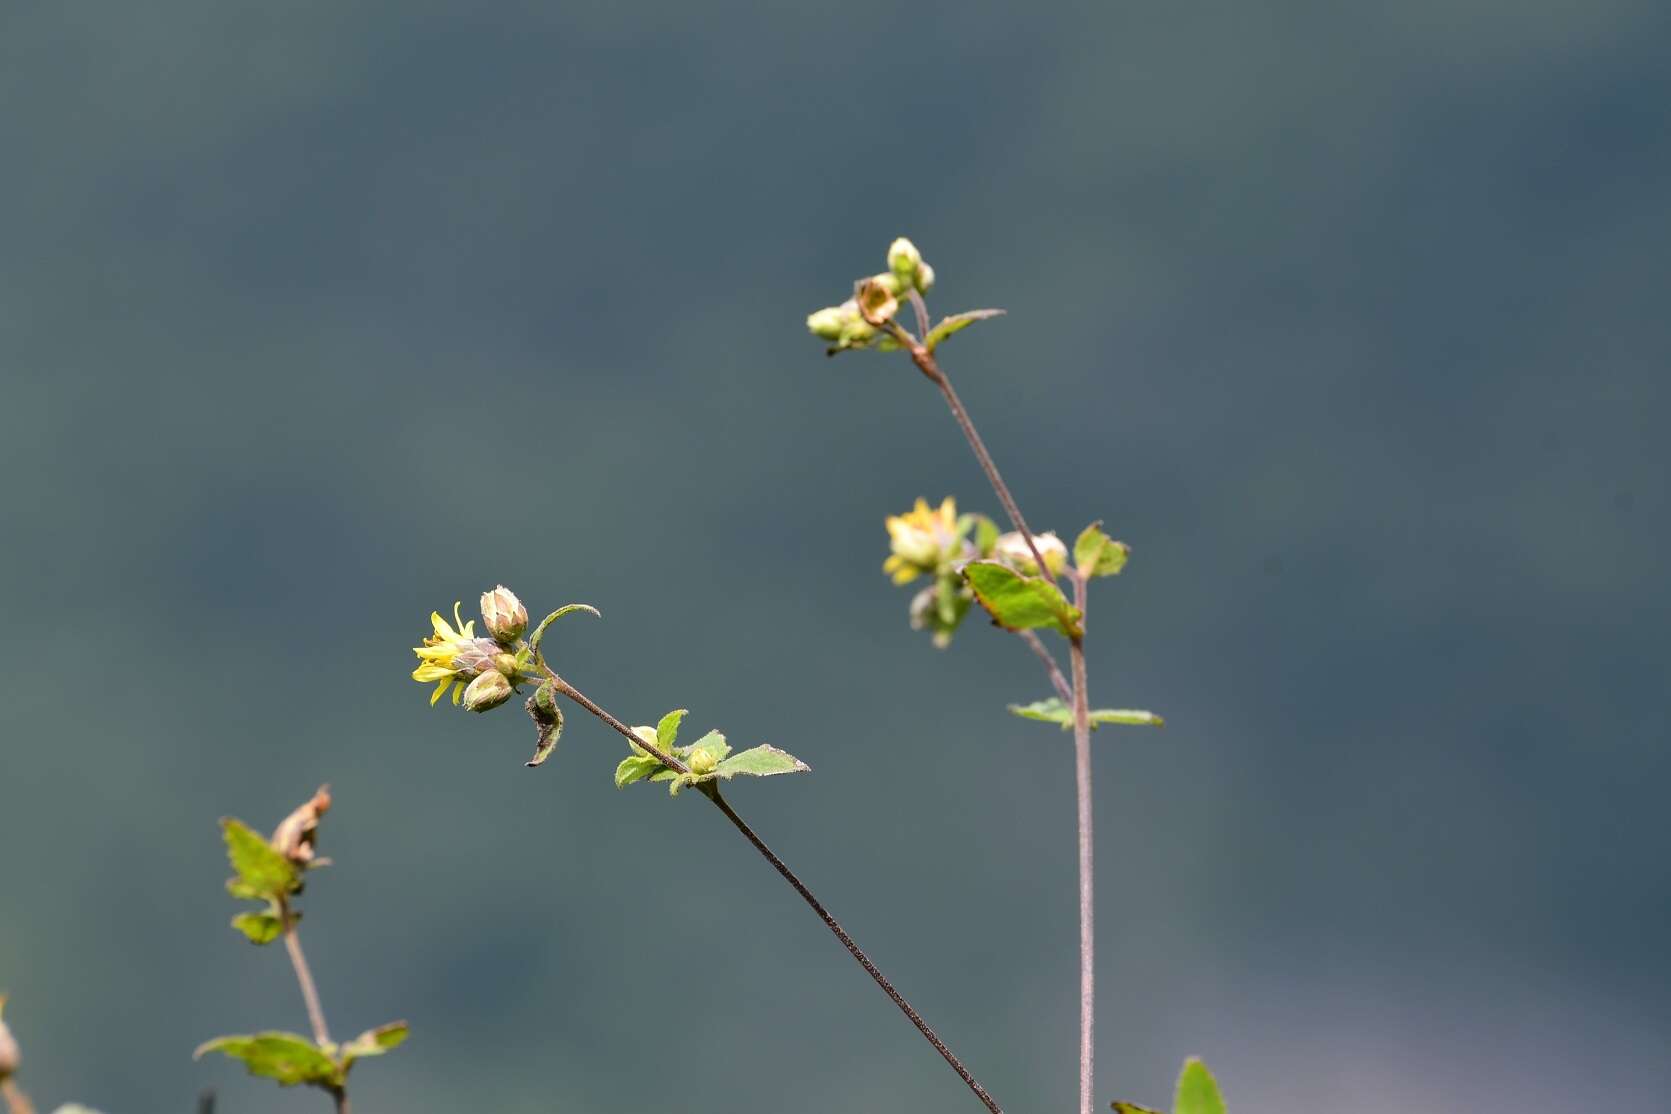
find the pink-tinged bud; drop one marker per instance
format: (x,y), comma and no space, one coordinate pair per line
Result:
(489,690)
(503,615)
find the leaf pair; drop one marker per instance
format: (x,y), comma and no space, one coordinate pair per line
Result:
(707,759)
(1055,710)
(1197,1093)
(262,874)
(292,1059)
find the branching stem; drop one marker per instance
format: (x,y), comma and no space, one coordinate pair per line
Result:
(711,791)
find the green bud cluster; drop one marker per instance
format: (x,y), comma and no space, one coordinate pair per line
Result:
(857,322)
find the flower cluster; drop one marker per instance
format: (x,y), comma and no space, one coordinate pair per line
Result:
(481,672)
(855,322)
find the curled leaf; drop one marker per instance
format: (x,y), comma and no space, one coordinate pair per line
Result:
(1097,554)
(539,631)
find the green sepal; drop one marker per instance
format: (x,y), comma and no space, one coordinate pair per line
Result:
(1197,1090)
(957,322)
(1055,710)
(1097,554)
(262,873)
(1018,602)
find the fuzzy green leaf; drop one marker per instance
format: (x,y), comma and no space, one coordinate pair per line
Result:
(261,928)
(262,872)
(286,1057)
(761,761)
(538,636)
(635,767)
(1097,554)
(374,1042)
(1055,710)
(1197,1090)
(1018,602)
(667,731)
(957,322)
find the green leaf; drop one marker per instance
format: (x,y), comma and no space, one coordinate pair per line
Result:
(1055,710)
(1197,1090)
(713,742)
(761,761)
(635,767)
(374,1042)
(539,631)
(262,872)
(261,928)
(1131,1108)
(1018,602)
(286,1057)
(1097,554)
(957,322)
(667,731)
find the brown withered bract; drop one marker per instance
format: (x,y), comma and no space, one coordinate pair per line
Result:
(295,835)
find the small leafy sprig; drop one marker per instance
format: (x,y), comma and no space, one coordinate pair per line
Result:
(273,872)
(1014,577)
(454,656)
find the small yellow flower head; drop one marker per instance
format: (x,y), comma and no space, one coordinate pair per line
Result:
(503,615)
(10,1057)
(489,690)
(702,761)
(453,655)
(922,540)
(1011,548)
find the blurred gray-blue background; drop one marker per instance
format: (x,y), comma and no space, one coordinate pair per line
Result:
(1350,318)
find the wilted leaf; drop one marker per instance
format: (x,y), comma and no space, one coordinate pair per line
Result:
(761,761)
(548,724)
(374,1042)
(294,837)
(286,1057)
(957,322)
(1055,710)
(1019,602)
(1097,554)
(1197,1090)
(262,871)
(261,928)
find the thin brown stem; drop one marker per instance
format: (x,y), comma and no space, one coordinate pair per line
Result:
(711,791)
(1057,681)
(304,977)
(16,1101)
(1087,874)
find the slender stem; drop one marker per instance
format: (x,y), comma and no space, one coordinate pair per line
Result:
(16,1101)
(711,791)
(1057,681)
(713,794)
(1087,875)
(304,977)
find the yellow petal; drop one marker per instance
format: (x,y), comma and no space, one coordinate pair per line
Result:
(458,691)
(439,689)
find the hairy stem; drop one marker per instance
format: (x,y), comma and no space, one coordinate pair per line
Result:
(711,791)
(1087,875)
(16,1101)
(310,996)
(1057,681)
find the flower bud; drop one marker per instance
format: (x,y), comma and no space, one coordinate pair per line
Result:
(10,1057)
(503,615)
(702,761)
(925,279)
(649,747)
(489,690)
(1012,549)
(904,259)
(828,322)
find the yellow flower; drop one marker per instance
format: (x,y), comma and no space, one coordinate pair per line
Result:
(921,540)
(452,656)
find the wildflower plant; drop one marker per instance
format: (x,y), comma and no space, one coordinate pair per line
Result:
(272,871)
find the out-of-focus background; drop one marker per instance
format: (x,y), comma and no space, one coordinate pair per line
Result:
(1349,318)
